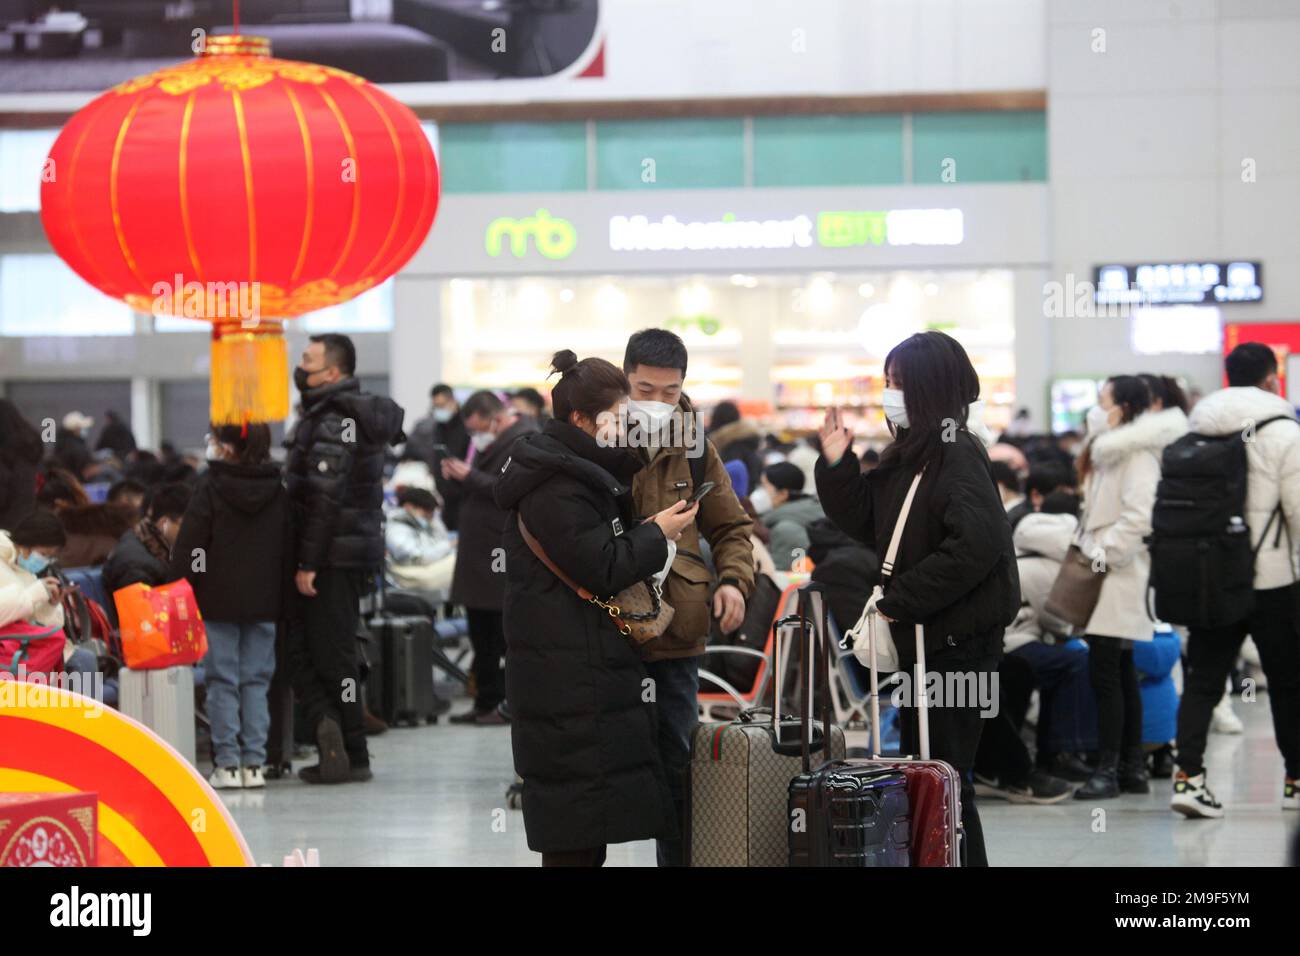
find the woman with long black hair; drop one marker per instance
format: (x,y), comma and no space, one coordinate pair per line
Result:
(955,571)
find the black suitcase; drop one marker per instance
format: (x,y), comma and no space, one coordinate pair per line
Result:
(842,813)
(399,687)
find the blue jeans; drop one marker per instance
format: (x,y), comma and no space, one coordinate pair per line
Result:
(1067,716)
(239,667)
(83,661)
(677,690)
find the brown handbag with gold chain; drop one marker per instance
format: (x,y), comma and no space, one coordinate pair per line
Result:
(639,611)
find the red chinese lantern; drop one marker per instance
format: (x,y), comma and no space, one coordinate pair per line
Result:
(244,190)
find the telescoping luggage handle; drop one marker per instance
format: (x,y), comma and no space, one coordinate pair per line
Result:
(821,686)
(804,745)
(814,675)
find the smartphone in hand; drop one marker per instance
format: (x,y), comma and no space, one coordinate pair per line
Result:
(700,492)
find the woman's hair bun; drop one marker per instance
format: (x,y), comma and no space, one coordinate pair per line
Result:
(563,361)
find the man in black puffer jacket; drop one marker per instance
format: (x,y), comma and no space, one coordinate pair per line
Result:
(335,476)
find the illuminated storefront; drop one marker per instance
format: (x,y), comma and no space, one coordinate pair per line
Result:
(788,299)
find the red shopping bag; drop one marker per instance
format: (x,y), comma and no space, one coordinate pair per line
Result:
(160,627)
(27,649)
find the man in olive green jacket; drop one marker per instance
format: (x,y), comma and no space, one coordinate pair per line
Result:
(655,363)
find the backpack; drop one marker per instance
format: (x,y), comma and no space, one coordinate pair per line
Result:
(739,670)
(1202,556)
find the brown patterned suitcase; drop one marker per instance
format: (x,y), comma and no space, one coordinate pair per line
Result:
(739,778)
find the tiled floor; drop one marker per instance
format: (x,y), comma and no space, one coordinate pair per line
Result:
(438,798)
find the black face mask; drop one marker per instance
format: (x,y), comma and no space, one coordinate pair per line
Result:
(300,376)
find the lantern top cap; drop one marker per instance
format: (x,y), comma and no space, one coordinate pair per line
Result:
(236,45)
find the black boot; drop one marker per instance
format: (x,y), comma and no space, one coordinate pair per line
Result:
(1162,763)
(1133,776)
(1067,766)
(1104,782)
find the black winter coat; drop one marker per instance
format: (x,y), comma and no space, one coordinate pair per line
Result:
(132,563)
(17,490)
(955,571)
(585,741)
(239,517)
(477,581)
(335,474)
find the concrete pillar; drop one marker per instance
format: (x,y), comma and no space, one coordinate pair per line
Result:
(415,361)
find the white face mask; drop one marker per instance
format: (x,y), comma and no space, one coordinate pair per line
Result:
(651,415)
(1098,420)
(442,415)
(481,440)
(214,452)
(761,500)
(895,409)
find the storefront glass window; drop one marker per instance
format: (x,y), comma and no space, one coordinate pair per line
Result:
(979,147)
(513,157)
(828,150)
(670,154)
(786,344)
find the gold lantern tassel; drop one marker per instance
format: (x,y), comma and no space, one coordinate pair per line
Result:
(250,373)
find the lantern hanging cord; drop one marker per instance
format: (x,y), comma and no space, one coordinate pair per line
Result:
(236,17)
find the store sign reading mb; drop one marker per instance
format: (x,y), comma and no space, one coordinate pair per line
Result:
(553,238)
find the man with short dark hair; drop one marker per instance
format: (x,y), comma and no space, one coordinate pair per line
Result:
(678,458)
(529,401)
(479,580)
(1272,500)
(143,553)
(335,474)
(129,493)
(440,434)
(1009,484)
(1045,478)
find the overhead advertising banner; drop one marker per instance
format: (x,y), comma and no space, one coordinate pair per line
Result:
(90,46)
(738,230)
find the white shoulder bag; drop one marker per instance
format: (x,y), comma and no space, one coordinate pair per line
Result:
(871,629)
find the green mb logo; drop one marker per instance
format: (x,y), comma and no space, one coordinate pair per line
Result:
(554,238)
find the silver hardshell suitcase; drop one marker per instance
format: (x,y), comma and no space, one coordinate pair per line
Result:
(162,700)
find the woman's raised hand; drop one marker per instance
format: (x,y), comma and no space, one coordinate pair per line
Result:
(835,437)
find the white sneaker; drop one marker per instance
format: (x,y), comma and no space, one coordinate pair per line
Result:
(253,778)
(1192,798)
(1291,795)
(226,778)
(1225,720)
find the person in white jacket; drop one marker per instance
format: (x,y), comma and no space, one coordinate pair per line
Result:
(1272,485)
(421,553)
(1120,467)
(24,553)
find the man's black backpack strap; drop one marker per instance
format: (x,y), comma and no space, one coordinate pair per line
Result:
(699,466)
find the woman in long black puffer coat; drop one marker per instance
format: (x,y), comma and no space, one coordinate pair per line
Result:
(955,571)
(584,733)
